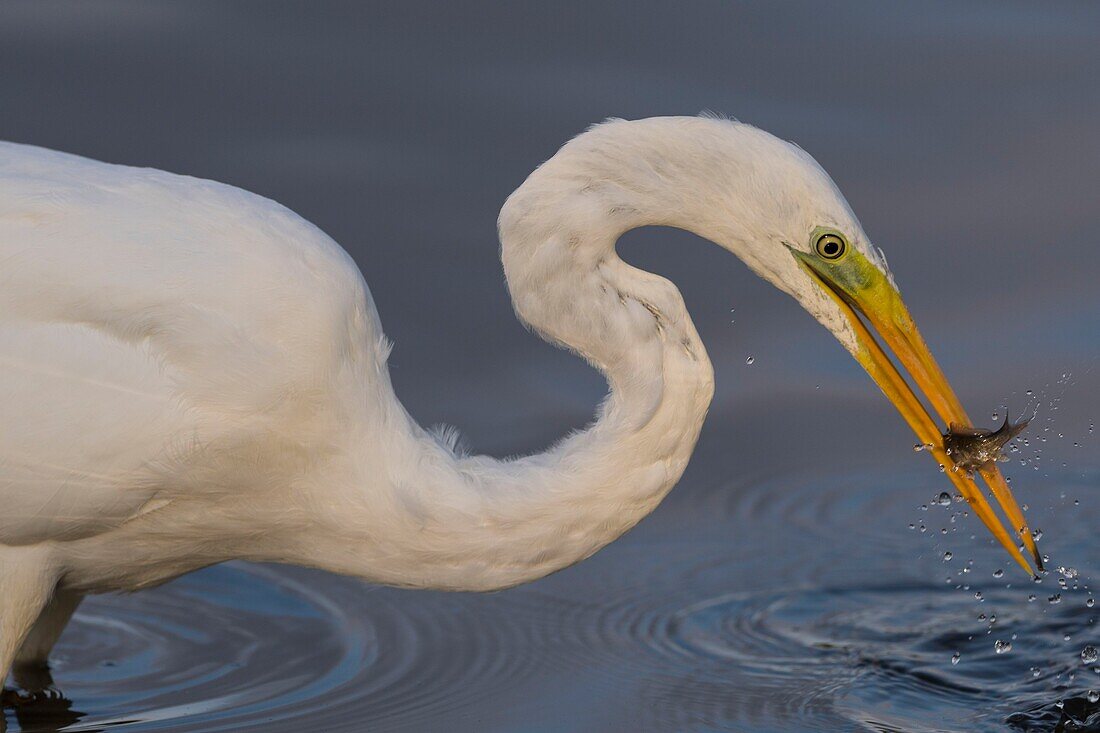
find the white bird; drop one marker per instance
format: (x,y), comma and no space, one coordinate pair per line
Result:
(190,373)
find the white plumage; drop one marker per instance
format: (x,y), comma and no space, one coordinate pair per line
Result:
(190,373)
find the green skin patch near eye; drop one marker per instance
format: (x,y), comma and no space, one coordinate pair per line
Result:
(857,280)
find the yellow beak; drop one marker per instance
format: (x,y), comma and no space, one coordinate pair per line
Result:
(859,287)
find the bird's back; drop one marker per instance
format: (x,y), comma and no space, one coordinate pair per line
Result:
(145,319)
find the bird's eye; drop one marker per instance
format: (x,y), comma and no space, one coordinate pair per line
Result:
(831,246)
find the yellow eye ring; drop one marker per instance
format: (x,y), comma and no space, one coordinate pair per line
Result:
(830,246)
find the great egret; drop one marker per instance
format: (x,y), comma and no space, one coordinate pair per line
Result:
(190,373)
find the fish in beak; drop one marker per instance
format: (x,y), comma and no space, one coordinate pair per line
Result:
(972,448)
(860,288)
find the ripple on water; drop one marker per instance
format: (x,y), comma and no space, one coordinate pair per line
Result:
(229,647)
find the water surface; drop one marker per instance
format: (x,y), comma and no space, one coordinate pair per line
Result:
(782,606)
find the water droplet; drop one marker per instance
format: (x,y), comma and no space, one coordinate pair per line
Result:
(1090,602)
(998,573)
(1068,572)
(944,499)
(1056,598)
(942,469)
(1037,535)
(1029,392)
(947,556)
(750,360)
(1066,637)
(978,595)
(1030,597)
(1089,654)
(996,416)
(1002,646)
(955,658)
(1093,696)
(1035,671)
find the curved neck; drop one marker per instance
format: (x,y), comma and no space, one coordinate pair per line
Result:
(476,523)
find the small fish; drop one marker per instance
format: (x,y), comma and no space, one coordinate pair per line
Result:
(972,448)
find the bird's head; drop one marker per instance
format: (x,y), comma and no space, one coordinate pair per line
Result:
(770,203)
(799,233)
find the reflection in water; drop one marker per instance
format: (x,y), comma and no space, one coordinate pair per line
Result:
(44,711)
(801,634)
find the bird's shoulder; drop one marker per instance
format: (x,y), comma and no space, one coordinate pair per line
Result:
(162,211)
(74,229)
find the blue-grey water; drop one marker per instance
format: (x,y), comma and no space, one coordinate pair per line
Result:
(795,580)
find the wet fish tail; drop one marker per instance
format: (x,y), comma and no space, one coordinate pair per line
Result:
(1010,430)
